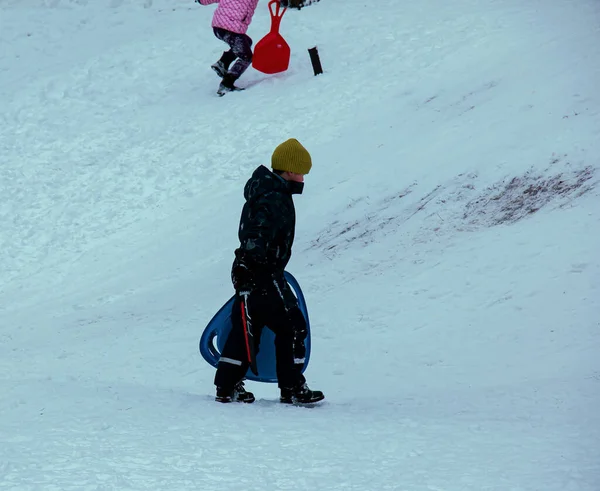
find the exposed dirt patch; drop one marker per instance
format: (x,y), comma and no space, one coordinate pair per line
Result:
(513,199)
(460,205)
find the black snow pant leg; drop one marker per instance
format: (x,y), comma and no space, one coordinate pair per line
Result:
(228,58)
(233,363)
(241,48)
(278,309)
(290,349)
(266,307)
(299,346)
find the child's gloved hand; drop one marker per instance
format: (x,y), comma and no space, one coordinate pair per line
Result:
(243,279)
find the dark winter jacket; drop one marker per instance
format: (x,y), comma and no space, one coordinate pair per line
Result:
(267,227)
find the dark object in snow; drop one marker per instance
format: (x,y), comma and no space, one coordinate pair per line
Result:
(315,60)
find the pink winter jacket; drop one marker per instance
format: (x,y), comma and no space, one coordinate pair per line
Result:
(233,15)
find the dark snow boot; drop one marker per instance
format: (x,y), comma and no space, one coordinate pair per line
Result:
(237,394)
(300,395)
(219,68)
(227,85)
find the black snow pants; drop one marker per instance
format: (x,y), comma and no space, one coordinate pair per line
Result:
(276,307)
(240,48)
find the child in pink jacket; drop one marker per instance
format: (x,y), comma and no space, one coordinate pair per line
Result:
(230,24)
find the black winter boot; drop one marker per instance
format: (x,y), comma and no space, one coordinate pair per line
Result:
(300,395)
(227,84)
(219,68)
(238,394)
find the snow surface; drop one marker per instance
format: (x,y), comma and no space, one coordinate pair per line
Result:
(447,243)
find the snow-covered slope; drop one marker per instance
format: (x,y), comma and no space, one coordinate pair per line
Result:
(447,245)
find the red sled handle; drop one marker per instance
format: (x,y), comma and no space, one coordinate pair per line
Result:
(276,15)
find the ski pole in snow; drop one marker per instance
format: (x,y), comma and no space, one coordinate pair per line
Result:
(315,60)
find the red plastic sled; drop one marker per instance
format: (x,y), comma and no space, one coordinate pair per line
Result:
(272,53)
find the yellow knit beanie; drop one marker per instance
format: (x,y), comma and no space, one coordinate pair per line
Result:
(291,156)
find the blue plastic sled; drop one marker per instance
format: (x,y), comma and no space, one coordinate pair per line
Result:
(216,332)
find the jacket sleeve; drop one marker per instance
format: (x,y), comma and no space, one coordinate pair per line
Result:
(208,2)
(250,11)
(258,234)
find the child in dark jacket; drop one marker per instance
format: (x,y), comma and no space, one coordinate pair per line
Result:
(263,296)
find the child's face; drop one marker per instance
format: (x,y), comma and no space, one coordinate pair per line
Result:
(292,176)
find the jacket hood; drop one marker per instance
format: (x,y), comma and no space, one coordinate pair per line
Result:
(264,181)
